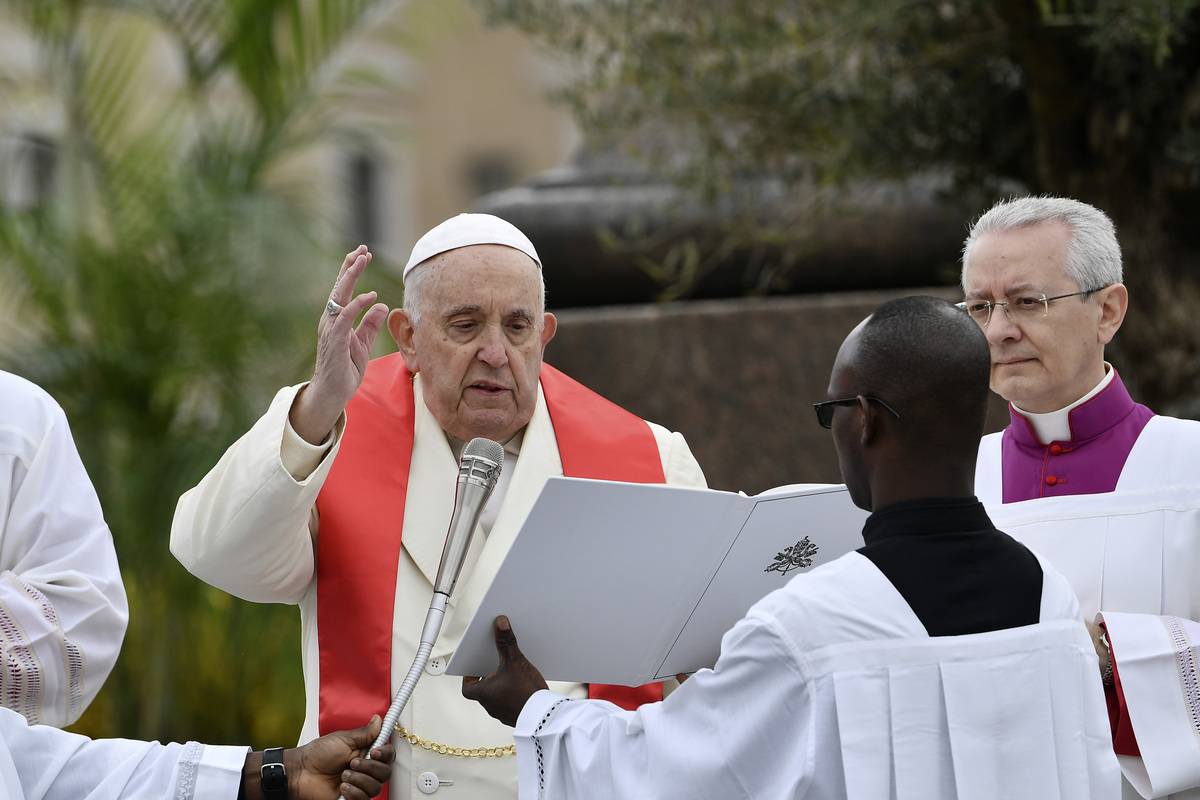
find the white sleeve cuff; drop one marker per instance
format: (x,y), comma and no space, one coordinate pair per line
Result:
(299,457)
(216,774)
(1156,658)
(535,708)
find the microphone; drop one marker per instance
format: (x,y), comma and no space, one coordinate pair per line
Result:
(478,472)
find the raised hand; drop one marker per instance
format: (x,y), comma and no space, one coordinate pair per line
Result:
(334,765)
(504,692)
(342,351)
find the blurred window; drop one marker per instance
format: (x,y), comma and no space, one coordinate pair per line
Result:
(35,162)
(490,172)
(364,175)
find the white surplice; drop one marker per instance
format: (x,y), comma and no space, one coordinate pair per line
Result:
(1134,554)
(249,528)
(831,688)
(62,603)
(38,762)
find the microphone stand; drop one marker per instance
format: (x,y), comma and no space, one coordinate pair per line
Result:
(478,473)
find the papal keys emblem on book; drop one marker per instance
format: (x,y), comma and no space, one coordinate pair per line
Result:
(797,556)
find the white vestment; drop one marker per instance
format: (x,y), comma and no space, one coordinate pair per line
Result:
(62,603)
(831,688)
(42,763)
(1134,551)
(1134,555)
(249,528)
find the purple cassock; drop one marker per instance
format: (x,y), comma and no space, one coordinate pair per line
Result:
(1103,431)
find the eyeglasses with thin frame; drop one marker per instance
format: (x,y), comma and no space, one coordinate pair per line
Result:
(825,408)
(1027,307)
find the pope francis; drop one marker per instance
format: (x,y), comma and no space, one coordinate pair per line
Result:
(364,458)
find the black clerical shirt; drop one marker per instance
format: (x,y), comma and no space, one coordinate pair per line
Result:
(954,569)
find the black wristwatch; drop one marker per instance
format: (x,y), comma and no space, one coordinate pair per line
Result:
(273,775)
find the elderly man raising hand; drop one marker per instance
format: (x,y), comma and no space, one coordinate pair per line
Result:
(363,459)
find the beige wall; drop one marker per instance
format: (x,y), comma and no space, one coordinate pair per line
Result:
(465,95)
(480,94)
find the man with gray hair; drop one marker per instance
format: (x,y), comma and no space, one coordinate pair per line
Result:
(364,459)
(1101,485)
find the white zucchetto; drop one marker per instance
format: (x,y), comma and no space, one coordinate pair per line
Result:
(465,230)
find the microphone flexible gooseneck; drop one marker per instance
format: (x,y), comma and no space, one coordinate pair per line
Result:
(478,472)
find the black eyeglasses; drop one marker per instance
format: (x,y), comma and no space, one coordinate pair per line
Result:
(825,408)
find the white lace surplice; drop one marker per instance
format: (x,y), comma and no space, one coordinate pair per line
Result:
(62,604)
(1134,555)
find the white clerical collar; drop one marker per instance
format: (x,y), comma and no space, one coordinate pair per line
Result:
(1055,426)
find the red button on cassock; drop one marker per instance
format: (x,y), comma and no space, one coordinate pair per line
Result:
(1056,449)
(1051,480)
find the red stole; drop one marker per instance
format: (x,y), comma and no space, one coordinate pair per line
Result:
(361,507)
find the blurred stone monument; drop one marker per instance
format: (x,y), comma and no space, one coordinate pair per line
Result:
(736,374)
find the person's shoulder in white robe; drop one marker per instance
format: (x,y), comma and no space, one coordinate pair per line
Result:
(62,603)
(814,677)
(849,599)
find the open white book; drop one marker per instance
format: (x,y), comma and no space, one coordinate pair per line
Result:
(627,583)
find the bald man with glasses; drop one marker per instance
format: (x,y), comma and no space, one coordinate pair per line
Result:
(1099,484)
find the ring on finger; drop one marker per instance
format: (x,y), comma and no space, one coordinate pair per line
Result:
(333,308)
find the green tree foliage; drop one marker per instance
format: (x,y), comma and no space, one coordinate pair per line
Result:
(163,292)
(1095,99)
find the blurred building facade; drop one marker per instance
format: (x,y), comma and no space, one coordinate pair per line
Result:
(455,110)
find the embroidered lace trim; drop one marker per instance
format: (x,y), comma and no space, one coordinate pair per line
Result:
(73,661)
(20,672)
(1189,672)
(189,768)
